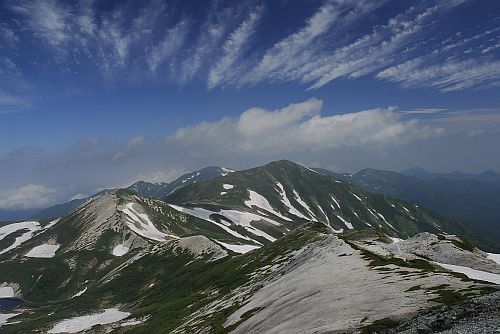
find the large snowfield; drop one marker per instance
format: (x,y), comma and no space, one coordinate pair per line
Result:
(472,273)
(142,225)
(242,249)
(43,251)
(6,316)
(120,250)
(30,226)
(78,324)
(6,292)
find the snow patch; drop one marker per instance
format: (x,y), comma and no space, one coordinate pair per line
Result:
(242,249)
(494,257)
(261,202)
(358,198)
(222,193)
(6,292)
(81,323)
(226,171)
(237,217)
(349,225)
(227,186)
(135,322)
(284,199)
(304,204)
(120,250)
(6,316)
(336,202)
(31,226)
(140,224)
(395,240)
(79,293)
(44,251)
(323,212)
(472,273)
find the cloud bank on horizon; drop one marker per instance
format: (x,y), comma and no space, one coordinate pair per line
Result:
(298,131)
(97,94)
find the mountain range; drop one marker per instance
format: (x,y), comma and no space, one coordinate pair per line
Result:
(278,248)
(488,176)
(473,202)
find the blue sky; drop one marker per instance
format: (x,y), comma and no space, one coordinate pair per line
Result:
(98,94)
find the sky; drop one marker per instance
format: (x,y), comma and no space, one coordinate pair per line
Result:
(99,93)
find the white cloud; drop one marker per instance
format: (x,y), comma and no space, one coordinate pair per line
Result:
(46,19)
(9,100)
(30,196)
(451,76)
(211,34)
(289,47)
(300,127)
(132,145)
(370,52)
(233,49)
(160,175)
(173,41)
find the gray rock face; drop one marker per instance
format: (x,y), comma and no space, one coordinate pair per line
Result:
(429,246)
(200,246)
(475,316)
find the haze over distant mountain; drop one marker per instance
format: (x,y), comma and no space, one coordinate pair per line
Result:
(486,176)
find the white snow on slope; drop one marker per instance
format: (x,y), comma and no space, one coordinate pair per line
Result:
(79,293)
(140,224)
(31,226)
(6,316)
(44,251)
(395,240)
(52,223)
(323,212)
(304,204)
(472,273)
(242,249)
(245,219)
(349,225)
(336,202)
(494,257)
(359,199)
(120,250)
(262,202)
(291,209)
(81,323)
(6,292)
(227,186)
(372,213)
(205,215)
(385,220)
(240,218)
(226,171)
(222,193)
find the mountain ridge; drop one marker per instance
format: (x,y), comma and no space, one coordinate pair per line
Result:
(238,253)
